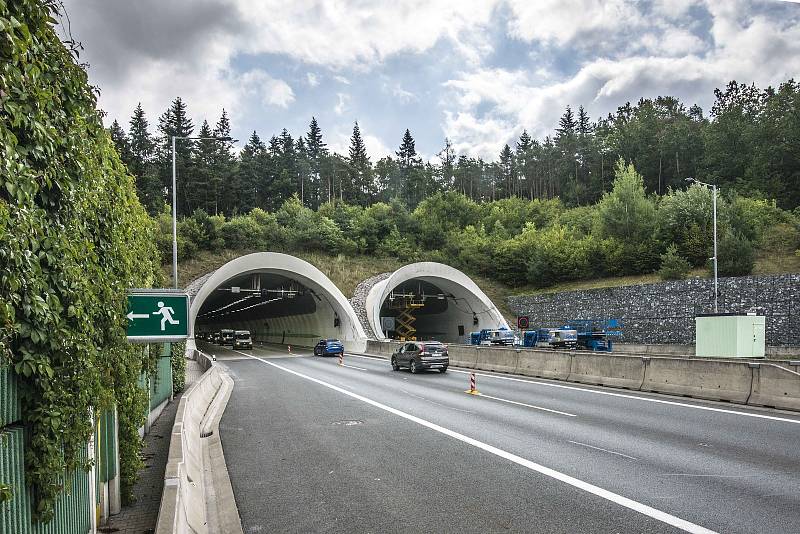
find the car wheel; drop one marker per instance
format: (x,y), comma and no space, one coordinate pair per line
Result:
(413,367)
(443,370)
(395,367)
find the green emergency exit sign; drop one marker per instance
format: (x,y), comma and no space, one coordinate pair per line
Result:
(157,315)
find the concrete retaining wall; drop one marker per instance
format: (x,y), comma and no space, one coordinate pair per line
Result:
(773,384)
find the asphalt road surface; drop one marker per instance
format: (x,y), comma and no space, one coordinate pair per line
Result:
(312,446)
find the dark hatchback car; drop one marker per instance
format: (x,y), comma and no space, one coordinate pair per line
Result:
(418,356)
(214,337)
(328,347)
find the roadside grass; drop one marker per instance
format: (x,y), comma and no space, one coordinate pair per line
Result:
(344,271)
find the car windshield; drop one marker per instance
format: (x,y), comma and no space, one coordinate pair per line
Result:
(333,341)
(243,335)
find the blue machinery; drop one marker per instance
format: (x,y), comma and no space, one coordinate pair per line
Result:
(590,334)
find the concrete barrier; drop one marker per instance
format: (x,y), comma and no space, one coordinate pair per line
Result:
(544,364)
(775,385)
(503,360)
(384,349)
(607,370)
(704,379)
(463,355)
(190,473)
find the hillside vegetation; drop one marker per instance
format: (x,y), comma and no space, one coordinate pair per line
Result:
(523,245)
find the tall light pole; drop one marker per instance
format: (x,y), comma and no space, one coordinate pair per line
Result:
(714,203)
(174,206)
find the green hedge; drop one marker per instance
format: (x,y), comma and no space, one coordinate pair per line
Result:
(73,238)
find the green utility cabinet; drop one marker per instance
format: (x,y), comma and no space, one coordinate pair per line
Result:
(730,336)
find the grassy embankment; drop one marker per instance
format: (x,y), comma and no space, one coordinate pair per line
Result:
(348,271)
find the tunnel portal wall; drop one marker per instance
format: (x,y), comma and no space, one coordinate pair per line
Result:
(301,330)
(469,300)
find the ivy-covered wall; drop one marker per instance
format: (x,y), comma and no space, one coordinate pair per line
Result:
(73,238)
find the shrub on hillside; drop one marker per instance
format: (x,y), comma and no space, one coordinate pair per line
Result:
(673,265)
(735,256)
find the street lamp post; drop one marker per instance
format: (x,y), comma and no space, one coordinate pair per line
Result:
(714,203)
(174,205)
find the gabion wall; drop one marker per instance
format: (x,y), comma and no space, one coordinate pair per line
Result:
(665,312)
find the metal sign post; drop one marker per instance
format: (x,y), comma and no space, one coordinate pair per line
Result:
(157,315)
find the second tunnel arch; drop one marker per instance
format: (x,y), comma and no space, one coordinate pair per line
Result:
(321,311)
(456,305)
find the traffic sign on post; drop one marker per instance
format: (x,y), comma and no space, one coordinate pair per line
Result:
(157,315)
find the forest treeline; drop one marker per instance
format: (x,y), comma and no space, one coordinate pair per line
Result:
(514,240)
(750,143)
(602,198)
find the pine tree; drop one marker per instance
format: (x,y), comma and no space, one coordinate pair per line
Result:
(142,148)
(584,126)
(316,150)
(448,158)
(412,175)
(224,166)
(175,122)
(360,169)
(251,172)
(524,163)
(122,143)
(506,171)
(204,186)
(303,166)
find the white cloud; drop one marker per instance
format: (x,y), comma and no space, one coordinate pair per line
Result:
(341,79)
(342,101)
(588,23)
(355,33)
(403,96)
(273,92)
(312,79)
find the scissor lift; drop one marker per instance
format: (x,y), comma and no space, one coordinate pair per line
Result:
(406,303)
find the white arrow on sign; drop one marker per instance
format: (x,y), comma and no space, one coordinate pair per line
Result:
(132,316)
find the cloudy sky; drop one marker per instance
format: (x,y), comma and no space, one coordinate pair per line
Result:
(475,71)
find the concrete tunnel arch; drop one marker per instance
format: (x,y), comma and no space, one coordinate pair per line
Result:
(460,306)
(318,310)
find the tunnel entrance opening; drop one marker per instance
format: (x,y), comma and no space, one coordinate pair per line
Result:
(262,303)
(420,309)
(279,299)
(430,301)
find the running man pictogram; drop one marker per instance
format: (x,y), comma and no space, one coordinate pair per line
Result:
(166,315)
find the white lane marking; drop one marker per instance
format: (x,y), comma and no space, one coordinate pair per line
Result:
(552,473)
(353,367)
(526,405)
(634,397)
(434,402)
(601,449)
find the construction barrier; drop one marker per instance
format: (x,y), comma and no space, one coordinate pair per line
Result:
(607,370)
